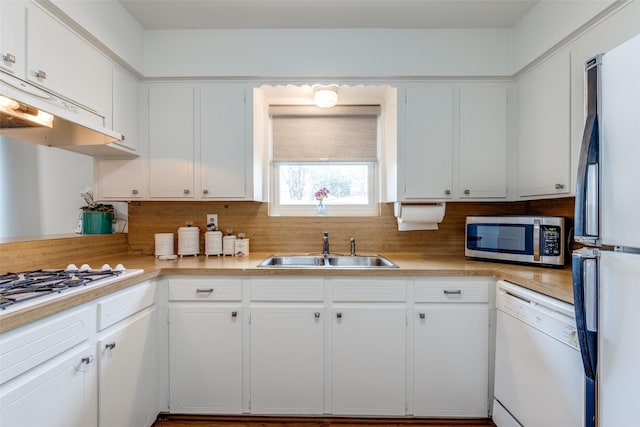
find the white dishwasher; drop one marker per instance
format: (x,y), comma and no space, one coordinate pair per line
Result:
(539,381)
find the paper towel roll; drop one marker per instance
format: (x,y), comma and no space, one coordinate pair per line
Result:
(420,217)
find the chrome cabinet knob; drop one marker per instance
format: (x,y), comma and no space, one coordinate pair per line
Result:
(87,360)
(234,314)
(559,186)
(316,314)
(447,192)
(134,191)
(110,346)
(339,315)
(8,57)
(422,315)
(467,192)
(186,191)
(41,74)
(205,191)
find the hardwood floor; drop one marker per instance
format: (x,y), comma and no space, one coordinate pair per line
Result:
(259,421)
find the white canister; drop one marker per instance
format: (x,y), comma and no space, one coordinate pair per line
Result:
(188,241)
(164,244)
(242,247)
(213,243)
(229,245)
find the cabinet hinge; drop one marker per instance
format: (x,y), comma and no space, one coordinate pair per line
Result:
(249,318)
(249,402)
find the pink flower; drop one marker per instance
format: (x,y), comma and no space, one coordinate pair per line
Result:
(321,193)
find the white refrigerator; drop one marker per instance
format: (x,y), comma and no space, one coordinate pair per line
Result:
(606,272)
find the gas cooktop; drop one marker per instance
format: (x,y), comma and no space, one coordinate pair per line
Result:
(28,288)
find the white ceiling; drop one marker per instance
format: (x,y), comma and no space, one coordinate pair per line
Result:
(327,14)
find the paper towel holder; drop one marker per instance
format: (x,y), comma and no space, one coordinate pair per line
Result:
(412,224)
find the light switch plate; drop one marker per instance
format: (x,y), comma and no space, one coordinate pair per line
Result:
(212,221)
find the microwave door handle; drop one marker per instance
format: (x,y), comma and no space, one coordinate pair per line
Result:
(536,240)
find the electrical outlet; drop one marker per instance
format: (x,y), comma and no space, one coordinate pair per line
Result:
(212,221)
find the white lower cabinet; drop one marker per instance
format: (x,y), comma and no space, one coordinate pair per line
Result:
(369,346)
(60,393)
(127,373)
(205,346)
(368,360)
(451,347)
(287,361)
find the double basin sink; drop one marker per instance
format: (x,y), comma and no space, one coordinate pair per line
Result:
(327,261)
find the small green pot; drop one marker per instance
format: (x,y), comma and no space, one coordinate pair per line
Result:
(97,222)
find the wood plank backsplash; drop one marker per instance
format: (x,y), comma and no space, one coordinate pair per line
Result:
(304,234)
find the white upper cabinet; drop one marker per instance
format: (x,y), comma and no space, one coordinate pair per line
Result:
(425,154)
(224,144)
(544,137)
(12,37)
(452,143)
(483,142)
(62,62)
(171,141)
(125,107)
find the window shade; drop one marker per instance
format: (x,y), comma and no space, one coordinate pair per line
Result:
(313,134)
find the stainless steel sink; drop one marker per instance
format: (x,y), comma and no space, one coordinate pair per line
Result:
(329,261)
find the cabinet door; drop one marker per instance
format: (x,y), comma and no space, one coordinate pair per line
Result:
(544,145)
(451,362)
(12,37)
(369,360)
(127,373)
(125,107)
(171,141)
(223,144)
(483,142)
(287,363)
(59,60)
(426,163)
(119,178)
(60,393)
(207,380)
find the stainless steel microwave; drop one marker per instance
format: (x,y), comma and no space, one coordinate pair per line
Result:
(524,239)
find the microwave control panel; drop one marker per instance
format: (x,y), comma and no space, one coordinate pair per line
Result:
(550,243)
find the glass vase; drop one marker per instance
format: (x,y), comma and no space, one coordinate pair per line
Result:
(321,209)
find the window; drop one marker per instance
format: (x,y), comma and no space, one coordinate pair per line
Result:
(315,148)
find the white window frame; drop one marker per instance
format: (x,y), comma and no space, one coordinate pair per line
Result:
(370,209)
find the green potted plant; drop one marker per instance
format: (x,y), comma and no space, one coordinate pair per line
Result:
(96,217)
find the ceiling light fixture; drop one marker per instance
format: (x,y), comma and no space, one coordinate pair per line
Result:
(326,96)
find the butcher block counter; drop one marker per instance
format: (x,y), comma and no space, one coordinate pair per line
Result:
(554,282)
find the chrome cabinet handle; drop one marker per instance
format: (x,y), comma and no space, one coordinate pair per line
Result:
(41,74)
(87,360)
(204,291)
(422,315)
(234,314)
(456,292)
(110,346)
(8,57)
(316,314)
(559,186)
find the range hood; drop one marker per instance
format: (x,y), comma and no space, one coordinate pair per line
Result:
(30,114)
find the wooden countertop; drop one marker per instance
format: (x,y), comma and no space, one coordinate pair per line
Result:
(549,281)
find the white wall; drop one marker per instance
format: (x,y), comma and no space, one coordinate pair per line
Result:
(549,22)
(328,53)
(40,189)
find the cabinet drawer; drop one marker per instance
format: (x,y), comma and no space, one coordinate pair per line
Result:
(453,289)
(29,346)
(205,290)
(125,303)
(299,289)
(369,290)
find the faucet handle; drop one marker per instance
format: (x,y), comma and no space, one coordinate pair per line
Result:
(325,234)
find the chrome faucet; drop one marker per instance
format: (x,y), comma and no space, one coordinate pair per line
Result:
(325,243)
